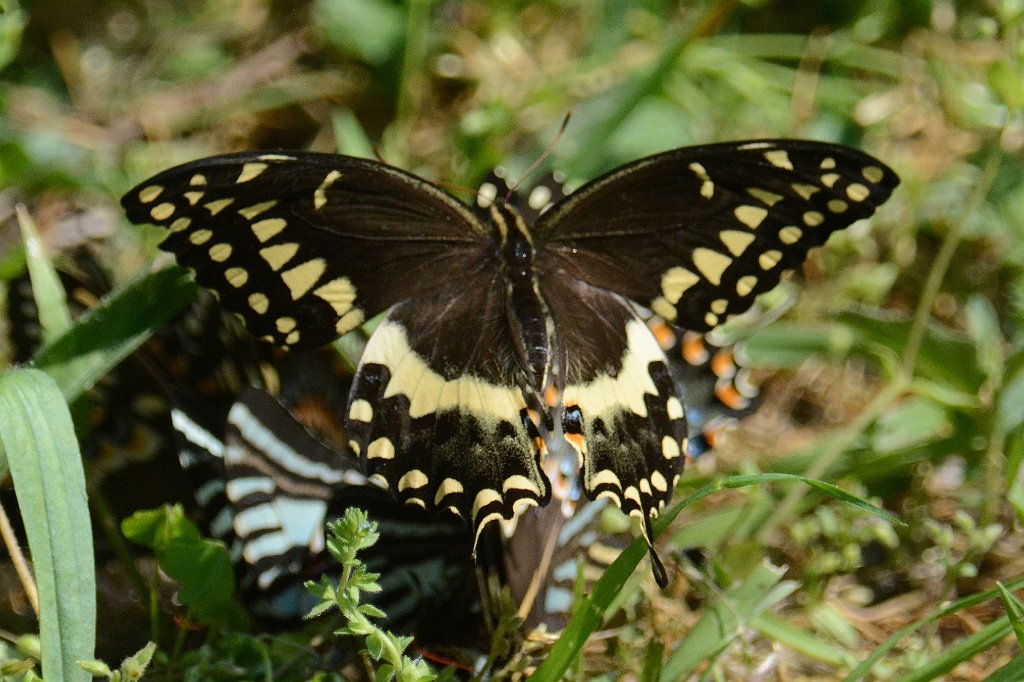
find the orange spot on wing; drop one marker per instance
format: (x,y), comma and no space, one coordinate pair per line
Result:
(695,351)
(663,334)
(722,364)
(576,439)
(551,396)
(726,392)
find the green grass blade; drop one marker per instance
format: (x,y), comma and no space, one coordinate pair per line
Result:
(803,641)
(111,331)
(593,609)
(50,298)
(961,652)
(1015,611)
(39,439)
(1011,672)
(726,619)
(864,669)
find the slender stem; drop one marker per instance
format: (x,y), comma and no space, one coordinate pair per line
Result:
(108,525)
(901,382)
(411,82)
(838,443)
(21,564)
(937,273)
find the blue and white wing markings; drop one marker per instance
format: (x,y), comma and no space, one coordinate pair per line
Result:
(279,480)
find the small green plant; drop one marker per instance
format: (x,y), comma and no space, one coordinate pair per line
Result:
(132,667)
(346,537)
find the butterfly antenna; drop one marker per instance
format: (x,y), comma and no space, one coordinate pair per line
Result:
(543,156)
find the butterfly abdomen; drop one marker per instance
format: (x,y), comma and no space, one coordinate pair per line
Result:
(527,312)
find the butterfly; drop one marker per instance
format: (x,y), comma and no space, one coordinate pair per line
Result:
(500,333)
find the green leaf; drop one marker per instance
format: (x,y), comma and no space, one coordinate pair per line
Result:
(983,327)
(135,665)
(1010,402)
(352,140)
(375,645)
(370,29)
(12,25)
(946,356)
(785,346)
(202,567)
(50,298)
(112,330)
(1015,611)
(39,439)
(96,668)
(801,640)
(155,528)
(914,421)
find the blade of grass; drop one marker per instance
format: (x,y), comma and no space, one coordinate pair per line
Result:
(54,317)
(801,640)
(962,651)
(726,618)
(863,670)
(589,614)
(114,329)
(1015,611)
(39,440)
(1011,672)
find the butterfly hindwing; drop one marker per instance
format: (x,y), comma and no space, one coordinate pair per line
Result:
(307,246)
(695,234)
(716,389)
(621,411)
(438,409)
(279,481)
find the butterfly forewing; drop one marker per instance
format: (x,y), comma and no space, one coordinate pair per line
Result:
(695,234)
(307,246)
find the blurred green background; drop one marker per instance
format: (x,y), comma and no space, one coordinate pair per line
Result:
(895,373)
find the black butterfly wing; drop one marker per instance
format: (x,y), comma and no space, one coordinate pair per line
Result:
(307,246)
(621,411)
(437,408)
(279,480)
(695,234)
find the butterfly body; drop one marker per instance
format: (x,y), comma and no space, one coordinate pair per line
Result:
(502,321)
